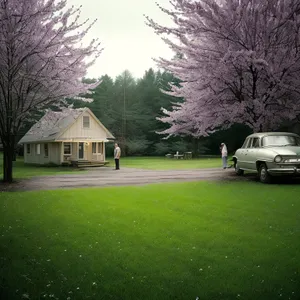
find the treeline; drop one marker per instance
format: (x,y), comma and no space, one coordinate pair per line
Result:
(129,108)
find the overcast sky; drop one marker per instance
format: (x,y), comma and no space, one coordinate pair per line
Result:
(128,42)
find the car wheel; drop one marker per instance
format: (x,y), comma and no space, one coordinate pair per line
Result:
(263,174)
(238,171)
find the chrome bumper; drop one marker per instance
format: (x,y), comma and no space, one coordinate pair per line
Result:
(284,171)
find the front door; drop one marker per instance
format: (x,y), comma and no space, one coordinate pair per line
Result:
(80,150)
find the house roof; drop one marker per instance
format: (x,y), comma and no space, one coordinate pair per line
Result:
(53,124)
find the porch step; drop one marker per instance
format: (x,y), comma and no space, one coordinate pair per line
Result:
(88,163)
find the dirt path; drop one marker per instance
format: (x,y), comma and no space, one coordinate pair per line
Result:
(126,176)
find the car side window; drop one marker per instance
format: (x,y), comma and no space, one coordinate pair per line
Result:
(248,145)
(255,143)
(252,143)
(245,145)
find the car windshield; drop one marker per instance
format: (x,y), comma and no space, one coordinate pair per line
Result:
(280,140)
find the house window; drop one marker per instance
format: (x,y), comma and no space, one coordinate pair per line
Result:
(94,148)
(38,149)
(86,121)
(67,148)
(97,148)
(100,148)
(46,150)
(28,148)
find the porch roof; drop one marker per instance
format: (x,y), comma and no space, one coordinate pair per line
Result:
(83,140)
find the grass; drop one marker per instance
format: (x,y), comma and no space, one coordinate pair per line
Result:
(162,163)
(21,170)
(168,241)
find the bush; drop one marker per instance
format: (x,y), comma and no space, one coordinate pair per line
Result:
(162,148)
(109,149)
(180,146)
(137,146)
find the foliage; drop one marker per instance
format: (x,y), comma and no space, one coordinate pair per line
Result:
(129,107)
(170,241)
(239,63)
(136,146)
(143,100)
(40,59)
(162,148)
(180,146)
(233,137)
(41,62)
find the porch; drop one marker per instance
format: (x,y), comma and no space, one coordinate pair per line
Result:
(86,163)
(83,153)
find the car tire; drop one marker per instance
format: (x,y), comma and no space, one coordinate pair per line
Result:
(263,174)
(238,171)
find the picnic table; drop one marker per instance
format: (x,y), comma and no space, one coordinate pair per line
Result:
(185,155)
(177,156)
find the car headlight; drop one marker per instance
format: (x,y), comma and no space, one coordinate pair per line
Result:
(278,158)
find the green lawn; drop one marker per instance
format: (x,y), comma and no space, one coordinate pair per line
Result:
(21,170)
(162,163)
(168,241)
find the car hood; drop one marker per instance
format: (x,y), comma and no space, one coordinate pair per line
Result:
(288,150)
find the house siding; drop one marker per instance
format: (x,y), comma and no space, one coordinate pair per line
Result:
(34,158)
(55,153)
(76,131)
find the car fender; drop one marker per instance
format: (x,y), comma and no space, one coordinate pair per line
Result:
(262,160)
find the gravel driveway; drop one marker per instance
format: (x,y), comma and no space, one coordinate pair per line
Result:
(107,176)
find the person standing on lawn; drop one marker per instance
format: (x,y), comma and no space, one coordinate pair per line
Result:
(224,153)
(117,154)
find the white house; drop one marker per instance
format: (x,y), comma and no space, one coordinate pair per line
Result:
(68,136)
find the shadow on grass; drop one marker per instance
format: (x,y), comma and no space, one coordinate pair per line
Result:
(253,177)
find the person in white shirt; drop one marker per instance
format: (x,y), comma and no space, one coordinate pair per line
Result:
(224,153)
(117,154)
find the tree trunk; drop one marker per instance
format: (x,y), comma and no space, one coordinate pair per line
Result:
(8,151)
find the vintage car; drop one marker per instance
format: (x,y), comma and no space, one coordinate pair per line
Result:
(269,154)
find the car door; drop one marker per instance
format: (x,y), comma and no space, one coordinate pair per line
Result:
(242,154)
(251,154)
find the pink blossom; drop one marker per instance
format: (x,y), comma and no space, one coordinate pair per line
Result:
(42,62)
(239,63)
(41,59)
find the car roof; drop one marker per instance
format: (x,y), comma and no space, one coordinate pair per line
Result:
(262,134)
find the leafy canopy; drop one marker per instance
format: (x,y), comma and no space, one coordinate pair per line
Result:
(239,63)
